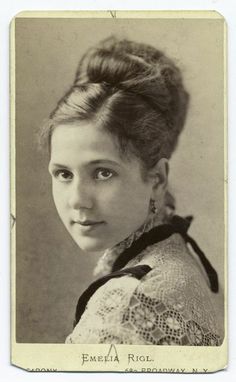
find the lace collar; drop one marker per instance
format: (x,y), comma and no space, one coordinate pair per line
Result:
(105,263)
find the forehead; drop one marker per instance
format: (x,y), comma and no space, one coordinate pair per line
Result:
(84,141)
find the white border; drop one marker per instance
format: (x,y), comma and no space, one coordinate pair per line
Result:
(8,11)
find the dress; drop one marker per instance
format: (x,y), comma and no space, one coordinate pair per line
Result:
(169,305)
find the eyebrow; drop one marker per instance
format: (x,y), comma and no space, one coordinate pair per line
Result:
(58,165)
(93,162)
(98,161)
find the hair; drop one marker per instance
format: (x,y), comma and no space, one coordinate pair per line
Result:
(131,90)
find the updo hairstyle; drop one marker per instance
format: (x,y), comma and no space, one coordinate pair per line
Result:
(131,90)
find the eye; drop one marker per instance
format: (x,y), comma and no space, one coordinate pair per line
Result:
(63,175)
(104,174)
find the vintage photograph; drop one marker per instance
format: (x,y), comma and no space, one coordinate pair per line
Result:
(119,191)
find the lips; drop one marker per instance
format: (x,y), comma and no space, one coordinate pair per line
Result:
(87,223)
(87,227)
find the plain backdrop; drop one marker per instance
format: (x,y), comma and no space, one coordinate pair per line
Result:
(8,10)
(51,272)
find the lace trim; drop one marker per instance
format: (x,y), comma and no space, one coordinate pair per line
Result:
(105,263)
(171,305)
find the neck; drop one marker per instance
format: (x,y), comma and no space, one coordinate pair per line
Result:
(105,263)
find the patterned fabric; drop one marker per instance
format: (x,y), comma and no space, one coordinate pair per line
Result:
(105,263)
(170,305)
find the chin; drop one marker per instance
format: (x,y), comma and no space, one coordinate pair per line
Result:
(91,245)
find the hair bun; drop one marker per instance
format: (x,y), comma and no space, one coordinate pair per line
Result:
(133,67)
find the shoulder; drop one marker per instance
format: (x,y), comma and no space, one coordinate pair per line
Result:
(171,304)
(103,318)
(175,300)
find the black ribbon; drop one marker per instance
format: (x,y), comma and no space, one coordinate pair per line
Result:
(177,224)
(139,271)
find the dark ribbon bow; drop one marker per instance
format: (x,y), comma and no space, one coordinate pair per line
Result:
(177,224)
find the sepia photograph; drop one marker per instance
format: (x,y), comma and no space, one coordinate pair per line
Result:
(118,197)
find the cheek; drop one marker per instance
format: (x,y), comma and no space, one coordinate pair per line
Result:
(135,206)
(130,202)
(59,199)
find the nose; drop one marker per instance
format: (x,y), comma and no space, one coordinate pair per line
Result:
(80,195)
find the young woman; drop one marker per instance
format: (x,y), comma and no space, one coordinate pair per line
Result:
(110,139)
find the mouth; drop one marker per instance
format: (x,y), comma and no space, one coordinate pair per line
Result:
(87,223)
(87,227)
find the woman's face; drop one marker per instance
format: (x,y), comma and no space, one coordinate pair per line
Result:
(100,196)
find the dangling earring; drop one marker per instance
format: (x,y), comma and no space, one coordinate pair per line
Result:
(153,207)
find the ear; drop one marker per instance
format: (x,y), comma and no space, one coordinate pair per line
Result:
(159,175)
